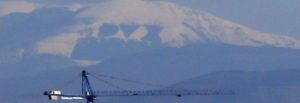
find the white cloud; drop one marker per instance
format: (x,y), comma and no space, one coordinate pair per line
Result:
(23,6)
(8,7)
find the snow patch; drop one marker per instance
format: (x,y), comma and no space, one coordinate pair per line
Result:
(59,45)
(180,26)
(119,35)
(86,63)
(138,34)
(142,12)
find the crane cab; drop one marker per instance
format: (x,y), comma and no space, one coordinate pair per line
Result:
(53,95)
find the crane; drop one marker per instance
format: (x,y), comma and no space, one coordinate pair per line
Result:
(90,95)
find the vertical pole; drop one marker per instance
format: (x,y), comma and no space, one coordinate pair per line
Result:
(82,83)
(87,90)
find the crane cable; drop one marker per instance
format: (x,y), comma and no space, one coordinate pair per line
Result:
(101,76)
(135,82)
(108,83)
(67,83)
(129,81)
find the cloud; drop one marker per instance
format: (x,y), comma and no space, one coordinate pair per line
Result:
(8,7)
(23,6)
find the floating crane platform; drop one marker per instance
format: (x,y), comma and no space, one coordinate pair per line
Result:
(90,95)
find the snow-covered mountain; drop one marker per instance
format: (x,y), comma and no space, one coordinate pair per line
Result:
(178,25)
(90,34)
(134,39)
(83,31)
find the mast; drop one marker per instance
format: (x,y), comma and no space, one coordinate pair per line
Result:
(86,88)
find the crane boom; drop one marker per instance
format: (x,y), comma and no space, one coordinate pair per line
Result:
(90,95)
(178,93)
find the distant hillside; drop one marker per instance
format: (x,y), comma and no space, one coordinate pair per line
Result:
(250,87)
(173,64)
(164,66)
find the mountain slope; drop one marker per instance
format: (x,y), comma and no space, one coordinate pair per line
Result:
(272,16)
(120,27)
(180,26)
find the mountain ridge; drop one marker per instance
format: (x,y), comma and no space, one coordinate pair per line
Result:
(180,26)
